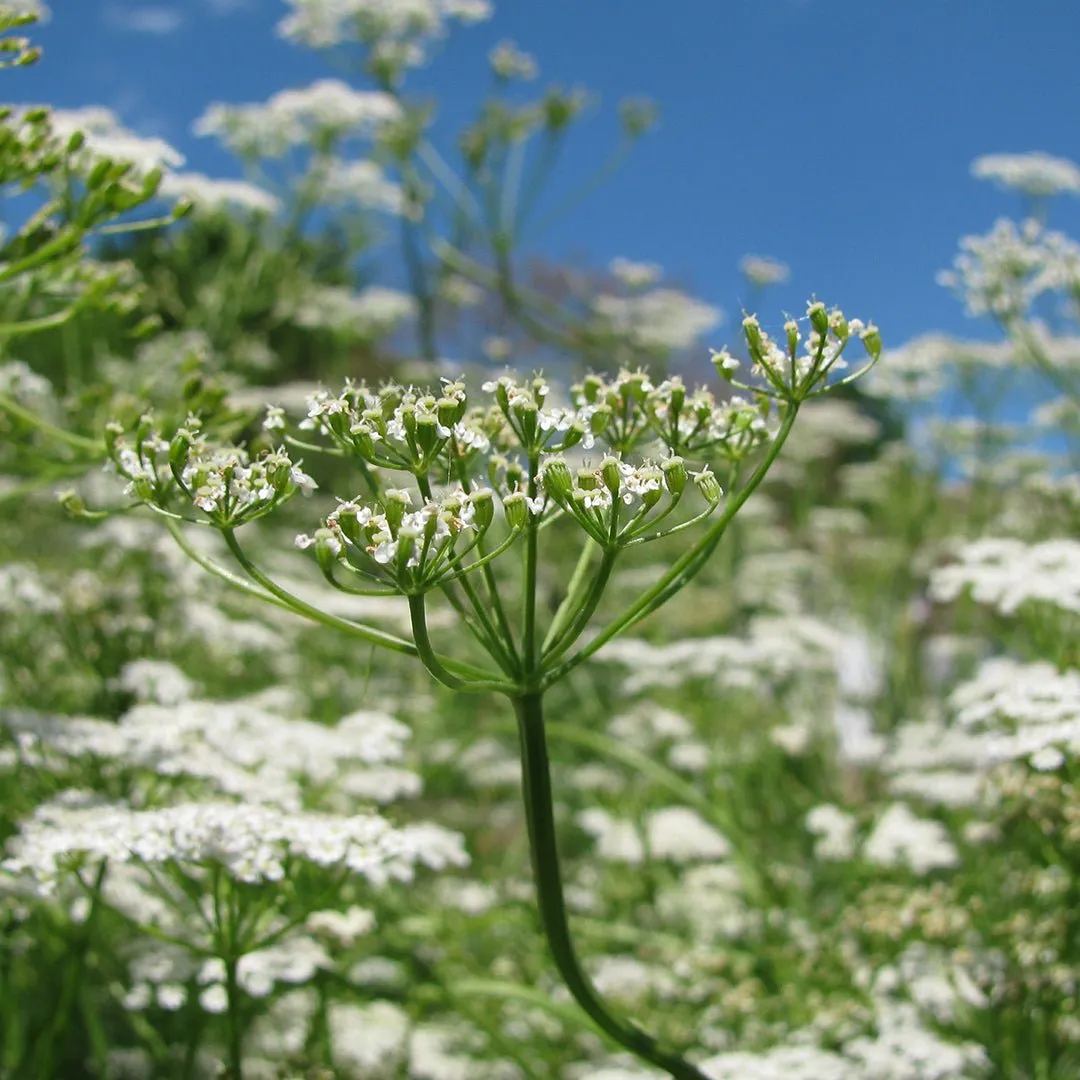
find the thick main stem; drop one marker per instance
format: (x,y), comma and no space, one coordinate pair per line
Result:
(540,819)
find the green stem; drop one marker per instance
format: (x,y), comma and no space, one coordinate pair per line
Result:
(76,442)
(528,619)
(585,612)
(491,639)
(279,597)
(33,326)
(434,664)
(573,597)
(506,634)
(52,1039)
(365,633)
(684,568)
(234,1022)
(540,820)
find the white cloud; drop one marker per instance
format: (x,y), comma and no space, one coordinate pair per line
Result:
(144,19)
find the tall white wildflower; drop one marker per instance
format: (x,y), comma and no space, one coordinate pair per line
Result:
(1034,173)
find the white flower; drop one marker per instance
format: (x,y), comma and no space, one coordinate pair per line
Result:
(1004,272)
(762,271)
(156,681)
(681,835)
(107,138)
(371,313)
(368,1040)
(1034,173)
(252,843)
(902,839)
(37,8)
(344,926)
(206,192)
(835,832)
(1008,574)
(214,999)
(293,118)
(635,275)
(361,183)
(617,840)
(390,25)
(660,319)
(509,62)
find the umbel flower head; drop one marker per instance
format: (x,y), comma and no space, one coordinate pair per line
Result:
(224,482)
(619,456)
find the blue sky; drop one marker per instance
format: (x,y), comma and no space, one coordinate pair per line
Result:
(833,134)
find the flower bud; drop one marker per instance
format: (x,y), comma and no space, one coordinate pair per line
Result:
(151,183)
(609,472)
(431,523)
(144,429)
(516,510)
(709,486)
(650,497)
(526,413)
(394,502)
(327,549)
(179,450)
(674,469)
(839,324)
(427,435)
(871,339)
(557,481)
(791,330)
(389,399)
(502,396)
(819,317)
(495,463)
(362,442)
(348,522)
(587,479)
(591,386)
(143,487)
(407,542)
(515,474)
(676,395)
(726,365)
(573,435)
(600,419)
(450,411)
(72,502)
(754,341)
(633,388)
(113,433)
(483,504)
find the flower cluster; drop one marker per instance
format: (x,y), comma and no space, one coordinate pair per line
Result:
(598,497)
(396,31)
(789,374)
(761,271)
(1034,174)
(252,843)
(414,550)
(1004,272)
(224,482)
(1007,574)
(325,112)
(630,409)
